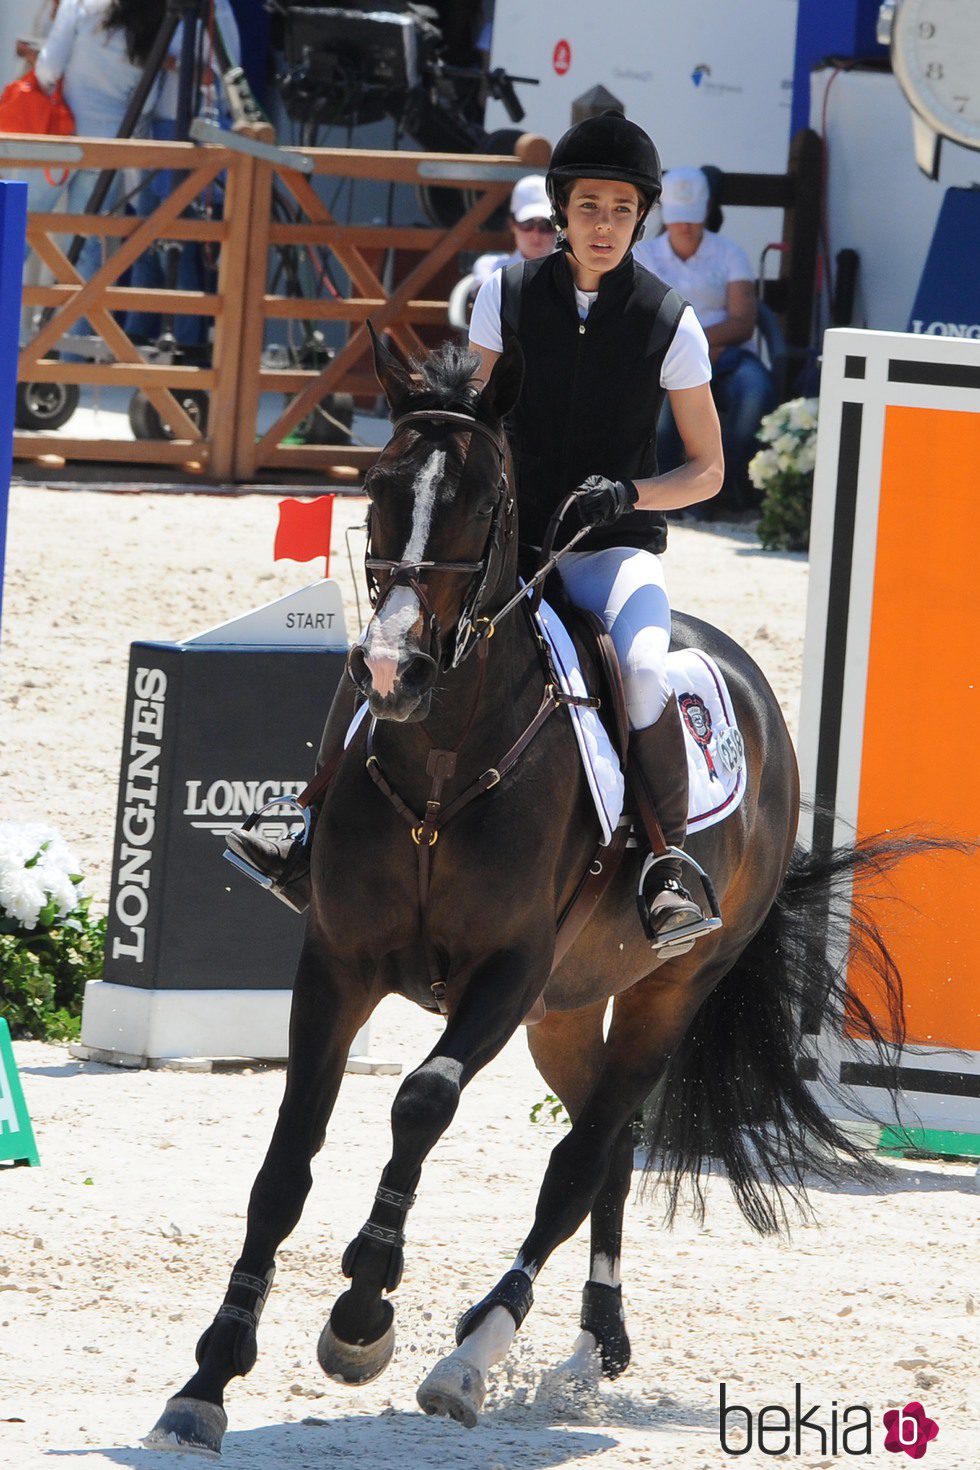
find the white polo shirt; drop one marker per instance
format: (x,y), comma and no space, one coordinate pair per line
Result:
(703,279)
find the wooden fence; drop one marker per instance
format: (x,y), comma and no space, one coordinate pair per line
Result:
(269,205)
(246,234)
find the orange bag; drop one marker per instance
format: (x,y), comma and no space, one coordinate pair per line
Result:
(25,108)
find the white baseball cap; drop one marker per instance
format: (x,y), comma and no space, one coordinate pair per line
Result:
(685,197)
(530,199)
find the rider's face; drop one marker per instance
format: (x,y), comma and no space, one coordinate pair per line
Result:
(602,215)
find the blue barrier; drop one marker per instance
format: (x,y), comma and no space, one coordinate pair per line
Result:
(13,227)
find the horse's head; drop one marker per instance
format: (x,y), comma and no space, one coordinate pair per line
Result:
(440,523)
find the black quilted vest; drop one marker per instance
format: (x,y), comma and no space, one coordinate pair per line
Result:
(591,396)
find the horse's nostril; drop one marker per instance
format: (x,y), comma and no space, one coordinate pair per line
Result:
(419,673)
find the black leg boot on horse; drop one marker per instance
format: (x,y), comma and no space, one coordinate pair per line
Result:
(283,865)
(657,773)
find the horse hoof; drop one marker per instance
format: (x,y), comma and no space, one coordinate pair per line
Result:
(189,1425)
(584,1367)
(454,1389)
(356,1362)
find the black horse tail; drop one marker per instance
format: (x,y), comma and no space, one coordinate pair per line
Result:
(734,1092)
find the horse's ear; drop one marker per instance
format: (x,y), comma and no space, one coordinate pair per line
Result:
(394,377)
(504,386)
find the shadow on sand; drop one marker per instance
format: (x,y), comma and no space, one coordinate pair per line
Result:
(510,1437)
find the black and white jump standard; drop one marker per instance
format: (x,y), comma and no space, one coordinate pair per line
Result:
(463,799)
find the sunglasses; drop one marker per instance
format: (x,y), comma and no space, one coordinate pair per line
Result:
(539,226)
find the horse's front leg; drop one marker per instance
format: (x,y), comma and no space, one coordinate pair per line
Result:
(328,1009)
(357,1342)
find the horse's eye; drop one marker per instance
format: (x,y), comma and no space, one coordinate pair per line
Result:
(484,512)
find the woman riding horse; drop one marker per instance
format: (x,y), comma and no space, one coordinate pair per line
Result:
(602,340)
(457,828)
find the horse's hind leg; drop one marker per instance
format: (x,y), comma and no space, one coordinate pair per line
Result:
(325,1016)
(567,1048)
(568,1051)
(648,1023)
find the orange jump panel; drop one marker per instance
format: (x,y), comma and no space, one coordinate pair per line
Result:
(922,716)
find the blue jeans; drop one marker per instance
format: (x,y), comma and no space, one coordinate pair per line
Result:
(743,391)
(150,270)
(43,197)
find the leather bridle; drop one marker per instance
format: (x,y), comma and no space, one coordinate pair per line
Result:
(471,625)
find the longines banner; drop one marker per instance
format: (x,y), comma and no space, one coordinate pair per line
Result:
(213,729)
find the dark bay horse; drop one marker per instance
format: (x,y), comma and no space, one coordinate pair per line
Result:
(440,869)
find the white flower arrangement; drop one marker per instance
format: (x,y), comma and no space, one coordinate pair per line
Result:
(40,880)
(790,434)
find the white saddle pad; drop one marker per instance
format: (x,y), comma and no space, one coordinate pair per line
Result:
(715,756)
(715,753)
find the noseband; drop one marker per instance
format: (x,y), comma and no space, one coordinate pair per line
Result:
(470,627)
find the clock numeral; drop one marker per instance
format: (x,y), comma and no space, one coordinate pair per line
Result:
(935,71)
(961,103)
(926,29)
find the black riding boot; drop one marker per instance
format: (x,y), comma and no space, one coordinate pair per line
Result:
(283,866)
(657,767)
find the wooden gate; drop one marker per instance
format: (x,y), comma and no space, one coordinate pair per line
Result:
(246,172)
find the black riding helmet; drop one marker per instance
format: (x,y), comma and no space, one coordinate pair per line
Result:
(605,147)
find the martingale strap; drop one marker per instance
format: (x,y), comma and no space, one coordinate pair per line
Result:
(441,766)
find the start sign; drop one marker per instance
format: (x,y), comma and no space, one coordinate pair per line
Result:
(16,1134)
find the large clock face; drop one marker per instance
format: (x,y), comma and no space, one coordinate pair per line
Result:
(936,57)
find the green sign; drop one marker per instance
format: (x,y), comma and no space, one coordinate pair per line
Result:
(16,1134)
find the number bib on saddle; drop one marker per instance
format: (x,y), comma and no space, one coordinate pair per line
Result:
(715,755)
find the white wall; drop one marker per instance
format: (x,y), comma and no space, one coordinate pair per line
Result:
(711,81)
(879,203)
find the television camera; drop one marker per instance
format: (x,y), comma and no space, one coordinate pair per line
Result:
(359,64)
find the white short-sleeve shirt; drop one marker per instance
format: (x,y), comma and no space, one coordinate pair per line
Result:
(704,278)
(686,362)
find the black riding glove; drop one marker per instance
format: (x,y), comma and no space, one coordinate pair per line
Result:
(601,501)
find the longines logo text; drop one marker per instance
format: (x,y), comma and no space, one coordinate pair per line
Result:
(134,858)
(223,804)
(819,1429)
(970,330)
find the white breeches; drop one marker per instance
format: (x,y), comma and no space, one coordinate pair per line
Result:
(625,587)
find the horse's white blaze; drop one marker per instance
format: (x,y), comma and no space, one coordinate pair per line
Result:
(388,631)
(605,1270)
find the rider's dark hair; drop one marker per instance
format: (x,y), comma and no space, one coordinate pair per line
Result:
(140,21)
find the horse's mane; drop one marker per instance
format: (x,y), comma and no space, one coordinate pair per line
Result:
(445,379)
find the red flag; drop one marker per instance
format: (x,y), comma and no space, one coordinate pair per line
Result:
(304,530)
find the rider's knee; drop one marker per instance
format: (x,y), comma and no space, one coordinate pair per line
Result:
(647,693)
(429,1096)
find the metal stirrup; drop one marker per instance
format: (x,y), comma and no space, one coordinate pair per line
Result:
(304,811)
(708,924)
